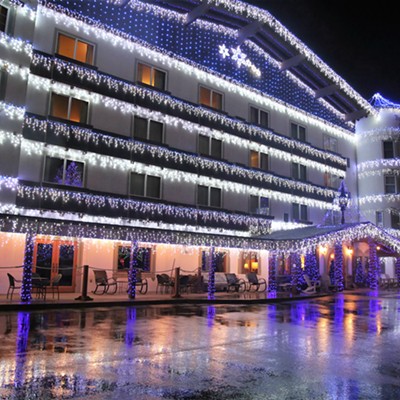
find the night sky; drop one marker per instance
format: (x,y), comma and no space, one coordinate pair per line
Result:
(360,42)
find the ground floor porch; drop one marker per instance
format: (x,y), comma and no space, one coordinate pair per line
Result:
(340,257)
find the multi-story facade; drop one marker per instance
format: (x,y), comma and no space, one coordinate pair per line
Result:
(173,126)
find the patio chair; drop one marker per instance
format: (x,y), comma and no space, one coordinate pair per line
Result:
(13,284)
(39,285)
(312,286)
(256,282)
(141,283)
(235,283)
(55,285)
(184,283)
(164,282)
(102,281)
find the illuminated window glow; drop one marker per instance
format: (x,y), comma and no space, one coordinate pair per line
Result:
(151,76)
(69,108)
(210,98)
(75,49)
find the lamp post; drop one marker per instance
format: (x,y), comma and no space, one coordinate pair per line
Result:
(343,199)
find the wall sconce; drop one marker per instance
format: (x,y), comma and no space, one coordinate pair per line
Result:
(246,265)
(323,250)
(332,256)
(349,251)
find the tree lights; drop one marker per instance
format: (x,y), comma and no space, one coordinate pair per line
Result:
(26,288)
(397,271)
(211,274)
(373,267)
(359,278)
(132,270)
(272,284)
(338,267)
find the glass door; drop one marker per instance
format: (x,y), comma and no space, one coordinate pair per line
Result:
(56,256)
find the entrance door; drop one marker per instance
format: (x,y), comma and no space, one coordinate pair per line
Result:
(56,256)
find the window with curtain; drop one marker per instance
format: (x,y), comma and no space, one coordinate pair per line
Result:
(210,98)
(258,160)
(151,76)
(74,48)
(69,108)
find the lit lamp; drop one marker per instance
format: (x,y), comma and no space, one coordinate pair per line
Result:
(246,265)
(343,199)
(254,265)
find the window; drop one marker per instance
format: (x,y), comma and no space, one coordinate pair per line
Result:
(258,160)
(298,132)
(220,260)
(145,185)
(379,218)
(145,129)
(388,150)
(258,117)
(69,108)
(330,144)
(299,172)
(259,205)
(3,79)
(390,184)
(143,258)
(299,212)
(76,49)
(3,18)
(208,196)
(285,217)
(210,147)
(394,219)
(249,262)
(151,76)
(391,149)
(331,180)
(210,98)
(64,172)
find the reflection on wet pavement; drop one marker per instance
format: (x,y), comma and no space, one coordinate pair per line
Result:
(342,347)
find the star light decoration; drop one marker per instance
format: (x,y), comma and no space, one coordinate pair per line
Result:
(241,58)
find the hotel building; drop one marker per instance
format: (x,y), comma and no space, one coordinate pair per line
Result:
(197,132)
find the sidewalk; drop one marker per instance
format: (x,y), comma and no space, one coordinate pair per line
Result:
(69,300)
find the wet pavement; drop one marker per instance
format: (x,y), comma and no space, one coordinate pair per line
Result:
(344,346)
